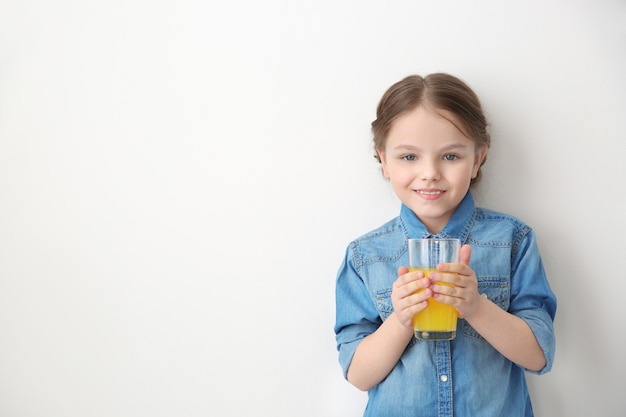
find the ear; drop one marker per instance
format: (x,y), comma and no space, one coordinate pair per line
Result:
(383,163)
(481,154)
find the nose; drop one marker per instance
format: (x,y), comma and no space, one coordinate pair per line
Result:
(429,170)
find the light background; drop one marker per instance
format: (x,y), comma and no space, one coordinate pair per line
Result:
(179,181)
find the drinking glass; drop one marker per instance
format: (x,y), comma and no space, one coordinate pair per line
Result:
(437,321)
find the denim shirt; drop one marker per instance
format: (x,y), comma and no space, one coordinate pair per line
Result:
(465,377)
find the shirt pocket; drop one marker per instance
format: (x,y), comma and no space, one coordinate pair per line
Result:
(497,290)
(383,303)
(385,308)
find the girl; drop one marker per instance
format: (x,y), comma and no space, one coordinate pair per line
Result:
(431,138)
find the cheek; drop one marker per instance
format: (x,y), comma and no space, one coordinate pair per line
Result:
(400,178)
(463,174)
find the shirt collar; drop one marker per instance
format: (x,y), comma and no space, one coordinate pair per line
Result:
(458,226)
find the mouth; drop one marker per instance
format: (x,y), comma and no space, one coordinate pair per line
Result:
(430,194)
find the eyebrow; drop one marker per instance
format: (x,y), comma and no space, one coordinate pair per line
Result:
(450,147)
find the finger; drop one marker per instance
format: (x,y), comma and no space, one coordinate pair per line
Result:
(453,268)
(466,254)
(412,287)
(447,299)
(420,296)
(401,280)
(445,290)
(464,257)
(415,303)
(451,276)
(414,309)
(406,277)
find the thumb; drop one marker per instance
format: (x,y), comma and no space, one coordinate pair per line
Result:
(466,254)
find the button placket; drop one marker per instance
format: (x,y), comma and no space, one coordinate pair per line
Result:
(444,374)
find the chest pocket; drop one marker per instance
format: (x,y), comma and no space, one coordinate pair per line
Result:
(385,308)
(383,303)
(495,289)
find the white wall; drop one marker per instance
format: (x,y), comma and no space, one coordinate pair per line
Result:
(179,180)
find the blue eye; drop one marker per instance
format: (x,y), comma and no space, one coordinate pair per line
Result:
(409,157)
(450,157)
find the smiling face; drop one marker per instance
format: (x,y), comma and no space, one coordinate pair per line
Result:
(430,164)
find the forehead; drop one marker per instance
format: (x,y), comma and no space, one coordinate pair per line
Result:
(424,123)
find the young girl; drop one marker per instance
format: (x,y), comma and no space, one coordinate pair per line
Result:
(431,138)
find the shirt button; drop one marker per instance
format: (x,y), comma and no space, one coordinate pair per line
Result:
(443,378)
(484,295)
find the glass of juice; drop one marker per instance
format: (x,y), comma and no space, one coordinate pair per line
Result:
(438,320)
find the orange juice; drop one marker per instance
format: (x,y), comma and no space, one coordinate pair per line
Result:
(438,320)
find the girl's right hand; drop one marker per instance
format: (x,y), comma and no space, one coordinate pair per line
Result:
(406,297)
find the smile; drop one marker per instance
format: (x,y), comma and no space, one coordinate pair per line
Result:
(430,194)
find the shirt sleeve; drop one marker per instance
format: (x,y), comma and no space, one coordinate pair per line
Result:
(356,313)
(531,297)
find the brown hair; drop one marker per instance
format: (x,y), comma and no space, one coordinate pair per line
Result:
(438,91)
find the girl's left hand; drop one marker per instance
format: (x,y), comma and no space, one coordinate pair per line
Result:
(463,293)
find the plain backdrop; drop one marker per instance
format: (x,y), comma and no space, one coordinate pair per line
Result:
(179,181)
